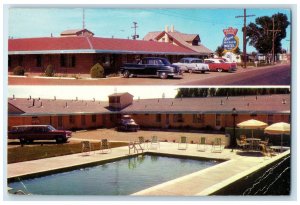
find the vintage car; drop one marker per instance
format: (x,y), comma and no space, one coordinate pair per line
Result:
(219,65)
(151,66)
(128,124)
(233,64)
(29,133)
(192,65)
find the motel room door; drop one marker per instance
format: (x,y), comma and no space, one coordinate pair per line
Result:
(167,120)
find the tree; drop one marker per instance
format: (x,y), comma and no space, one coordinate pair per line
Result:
(237,51)
(220,51)
(260,36)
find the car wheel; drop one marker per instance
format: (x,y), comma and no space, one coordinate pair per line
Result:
(126,74)
(22,141)
(203,71)
(190,71)
(219,70)
(163,75)
(60,140)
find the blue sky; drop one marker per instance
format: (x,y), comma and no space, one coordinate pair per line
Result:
(105,22)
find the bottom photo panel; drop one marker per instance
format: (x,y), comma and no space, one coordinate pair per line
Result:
(148,141)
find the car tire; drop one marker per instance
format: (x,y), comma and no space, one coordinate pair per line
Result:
(219,70)
(163,75)
(126,74)
(60,140)
(203,71)
(190,71)
(22,140)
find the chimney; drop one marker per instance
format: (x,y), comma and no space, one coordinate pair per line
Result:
(172,28)
(14,97)
(51,35)
(29,97)
(221,102)
(41,104)
(94,100)
(76,98)
(66,104)
(166,28)
(33,102)
(54,97)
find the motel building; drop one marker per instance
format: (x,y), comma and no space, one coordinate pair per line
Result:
(76,51)
(162,113)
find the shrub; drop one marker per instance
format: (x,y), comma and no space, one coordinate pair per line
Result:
(19,70)
(49,71)
(97,71)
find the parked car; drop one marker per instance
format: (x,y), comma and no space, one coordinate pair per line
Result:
(128,124)
(151,66)
(233,64)
(29,133)
(192,65)
(219,65)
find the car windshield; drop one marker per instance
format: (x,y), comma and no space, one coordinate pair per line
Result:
(197,61)
(51,128)
(221,61)
(165,61)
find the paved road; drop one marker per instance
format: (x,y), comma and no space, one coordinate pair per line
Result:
(269,75)
(279,75)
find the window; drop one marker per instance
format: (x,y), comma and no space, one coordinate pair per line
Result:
(218,120)
(158,118)
(198,118)
(270,119)
(39,61)
(94,118)
(72,119)
(68,61)
(178,118)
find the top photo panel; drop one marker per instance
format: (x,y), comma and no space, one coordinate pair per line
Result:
(149,46)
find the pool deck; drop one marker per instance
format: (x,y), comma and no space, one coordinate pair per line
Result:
(202,183)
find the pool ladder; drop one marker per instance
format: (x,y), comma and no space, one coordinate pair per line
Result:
(136,146)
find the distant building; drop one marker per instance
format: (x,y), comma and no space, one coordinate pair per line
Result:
(195,113)
(189,41)
(76,32)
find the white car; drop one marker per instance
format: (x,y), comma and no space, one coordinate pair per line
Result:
(192,65)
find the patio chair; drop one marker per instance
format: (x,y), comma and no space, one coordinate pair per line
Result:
(243,138)
(201,146)
(242,145)
(265,142)
(182,144)
(217,145)
(267,151)
(104,146)
(86,147)
(154,142)
(142,142)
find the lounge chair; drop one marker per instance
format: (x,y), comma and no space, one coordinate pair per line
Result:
(154,142)
(217,145)
(104,146)
(182,144)
(86,147)
(267,151)
(201,146)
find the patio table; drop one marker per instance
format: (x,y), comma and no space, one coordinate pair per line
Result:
(278,149)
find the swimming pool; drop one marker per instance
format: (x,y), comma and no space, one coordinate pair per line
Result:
(122,177)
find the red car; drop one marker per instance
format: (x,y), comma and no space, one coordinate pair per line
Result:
(29,133)
(216,64)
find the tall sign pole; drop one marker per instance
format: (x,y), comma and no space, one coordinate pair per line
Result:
(244,37)
(274,32)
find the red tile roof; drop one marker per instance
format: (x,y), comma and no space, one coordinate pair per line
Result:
(92,45)
(263,104)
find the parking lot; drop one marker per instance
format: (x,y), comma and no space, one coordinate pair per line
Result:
(267,75)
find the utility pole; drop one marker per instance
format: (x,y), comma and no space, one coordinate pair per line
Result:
(244,37)
(135,36)
(83,19)
(274,32)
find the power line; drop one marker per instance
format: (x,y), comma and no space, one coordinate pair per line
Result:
(244,36)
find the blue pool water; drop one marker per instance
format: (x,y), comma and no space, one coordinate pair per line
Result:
(121,177)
